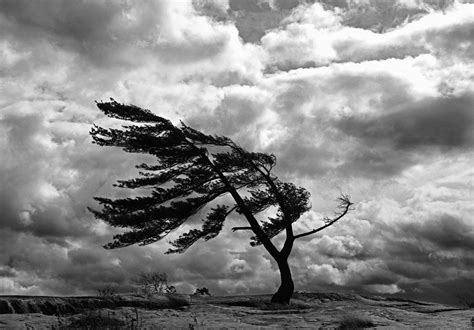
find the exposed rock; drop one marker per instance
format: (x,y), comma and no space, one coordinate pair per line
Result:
(307,310)
(71,305)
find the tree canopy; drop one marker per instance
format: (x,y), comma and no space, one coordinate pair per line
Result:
(192,170)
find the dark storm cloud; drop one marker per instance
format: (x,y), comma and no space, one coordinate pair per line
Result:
(26,252)
(415,270)
(446,232)
(113,33)
(22,208)
(312,160)
(408,249)
(428,248)
(53,222)
(378,276)
(81,20)
(431,256)
(286,4)
(91,268)
(255,6)
(306,105)
(378,163)
(9,206)
(441,122)
(462,288)
(44,191)
(416,252)
(98,30)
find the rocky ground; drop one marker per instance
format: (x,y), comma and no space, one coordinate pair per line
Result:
(308,310)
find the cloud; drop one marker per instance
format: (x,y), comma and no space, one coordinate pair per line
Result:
(95,30)
(338,246)
(380,16)
(384,289)
(107,39)
(315,36)
(369,98)
(446,232)
(441,122)
(394,140)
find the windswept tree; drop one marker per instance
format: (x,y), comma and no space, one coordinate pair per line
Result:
(194,170)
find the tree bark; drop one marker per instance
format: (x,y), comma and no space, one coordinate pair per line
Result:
(285,291)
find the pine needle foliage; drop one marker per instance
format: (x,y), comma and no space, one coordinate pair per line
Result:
(193,170)
(185,178)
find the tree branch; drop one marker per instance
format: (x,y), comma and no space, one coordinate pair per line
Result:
(287,246)
(256,228)
(344,205)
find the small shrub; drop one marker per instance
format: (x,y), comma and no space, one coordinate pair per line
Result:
(170,289)
(107,291)
(354,322)
(201,292)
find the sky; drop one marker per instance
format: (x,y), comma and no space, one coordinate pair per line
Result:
(369,98)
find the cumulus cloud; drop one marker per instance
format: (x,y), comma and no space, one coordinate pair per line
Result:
(372,98)
(316,36)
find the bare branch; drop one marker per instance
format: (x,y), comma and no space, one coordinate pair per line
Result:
(344,205)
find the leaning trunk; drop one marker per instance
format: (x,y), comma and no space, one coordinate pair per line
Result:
(284,293)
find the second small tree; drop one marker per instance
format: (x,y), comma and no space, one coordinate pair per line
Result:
(193,170)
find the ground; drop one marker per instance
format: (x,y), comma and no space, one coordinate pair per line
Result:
(307,310)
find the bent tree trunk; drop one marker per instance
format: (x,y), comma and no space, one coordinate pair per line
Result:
(284,293)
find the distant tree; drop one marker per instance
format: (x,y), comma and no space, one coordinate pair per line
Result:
(202,292)
(107,291)
(154,282)
(193,170)
(466,299)
(170,289)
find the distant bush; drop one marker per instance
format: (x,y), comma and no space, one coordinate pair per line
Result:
(171,289)
(354,322)
(466,300)
(154,283)
(201,292)
(107,291)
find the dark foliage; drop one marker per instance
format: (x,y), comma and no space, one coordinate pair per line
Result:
(202,292)
(154,283)
(108,291)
